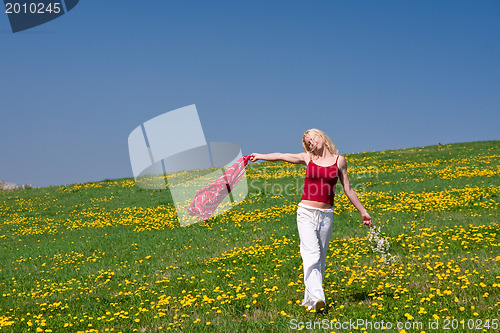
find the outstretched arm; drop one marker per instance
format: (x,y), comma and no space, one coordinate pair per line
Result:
(351,194)
(300,158)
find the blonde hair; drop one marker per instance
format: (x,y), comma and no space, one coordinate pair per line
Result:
(326,140)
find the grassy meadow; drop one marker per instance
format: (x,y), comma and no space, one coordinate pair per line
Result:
(111,257)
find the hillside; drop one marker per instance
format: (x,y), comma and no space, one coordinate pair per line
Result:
(109,255)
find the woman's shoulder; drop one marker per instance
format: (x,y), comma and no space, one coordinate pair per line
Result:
(341,161)
(306,157)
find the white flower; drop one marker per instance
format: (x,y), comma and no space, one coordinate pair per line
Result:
(380,245)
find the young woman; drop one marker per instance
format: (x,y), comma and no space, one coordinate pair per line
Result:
(315,211)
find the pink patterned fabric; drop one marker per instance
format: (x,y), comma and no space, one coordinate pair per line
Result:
(207,199)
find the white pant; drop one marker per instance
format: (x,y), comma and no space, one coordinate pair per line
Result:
(315,228)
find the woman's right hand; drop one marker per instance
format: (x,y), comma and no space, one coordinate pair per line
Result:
(254,157)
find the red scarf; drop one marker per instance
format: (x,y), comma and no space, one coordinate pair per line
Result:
(207,199)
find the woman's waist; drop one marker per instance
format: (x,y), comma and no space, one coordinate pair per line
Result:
(316,204)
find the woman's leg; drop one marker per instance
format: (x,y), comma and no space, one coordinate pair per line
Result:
(314,228)
(325,231)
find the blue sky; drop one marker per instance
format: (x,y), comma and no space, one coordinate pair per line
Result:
(374,75)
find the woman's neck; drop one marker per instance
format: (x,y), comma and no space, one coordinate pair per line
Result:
(322,153)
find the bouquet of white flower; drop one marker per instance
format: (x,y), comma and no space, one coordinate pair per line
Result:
(381,245)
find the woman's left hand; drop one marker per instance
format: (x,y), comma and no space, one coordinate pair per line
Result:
(367,219)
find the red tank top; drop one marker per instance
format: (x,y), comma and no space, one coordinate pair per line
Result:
(319,183)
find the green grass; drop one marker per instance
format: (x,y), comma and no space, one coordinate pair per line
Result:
(108,256)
